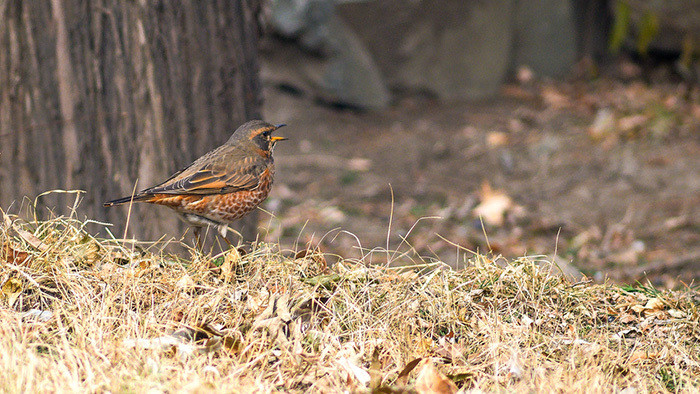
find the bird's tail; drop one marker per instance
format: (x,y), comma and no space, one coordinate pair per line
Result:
(126,199)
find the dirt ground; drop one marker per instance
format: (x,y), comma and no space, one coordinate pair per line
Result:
(604,175)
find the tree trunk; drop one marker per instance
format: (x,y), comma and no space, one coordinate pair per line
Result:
(110,96)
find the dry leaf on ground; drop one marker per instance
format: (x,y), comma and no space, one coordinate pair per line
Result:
(431,381)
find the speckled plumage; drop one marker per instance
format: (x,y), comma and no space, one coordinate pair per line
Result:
(223,185)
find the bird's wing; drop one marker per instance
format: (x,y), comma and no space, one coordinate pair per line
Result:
(229,174)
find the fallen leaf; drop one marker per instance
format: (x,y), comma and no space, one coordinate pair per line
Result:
(38,314)
(143,267)
(375,370)
(632,122)
(26,235)
(355,373)
(190,334)
(630,333)
(12,256)
(185,282)
(676,222)
(11,290)
(302,253)
(276,318)
(554,98)
(654,304)
(170,344)
(641,355)
(603,124)
(212,345)
(450,352)
(493,206)
(638,308)
(432,381)
(228,267)
(626,318)
(306,310)
(203,339)
(495,139)
(402,379)
(515,370)
(233,345)
(144,264)
(359,164)
(210,330)
(332,215)
(315,254)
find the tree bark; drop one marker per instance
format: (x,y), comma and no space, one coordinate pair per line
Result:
(109,96)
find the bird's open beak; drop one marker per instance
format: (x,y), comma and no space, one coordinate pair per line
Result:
(275,139)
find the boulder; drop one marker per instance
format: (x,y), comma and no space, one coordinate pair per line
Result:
(331,64)
(545,38)
(454,49)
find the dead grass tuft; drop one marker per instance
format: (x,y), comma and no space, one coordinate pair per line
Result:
(84,314)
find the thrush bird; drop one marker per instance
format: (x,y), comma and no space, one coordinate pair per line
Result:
(221,186)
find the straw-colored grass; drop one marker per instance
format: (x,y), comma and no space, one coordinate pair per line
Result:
(82,314)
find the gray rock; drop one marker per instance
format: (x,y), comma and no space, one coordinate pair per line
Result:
(350,75)
(545,36)
(473,46)
(307,20)
(334,64)
(453,48)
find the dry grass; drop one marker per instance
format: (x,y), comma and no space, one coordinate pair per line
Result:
(82,314)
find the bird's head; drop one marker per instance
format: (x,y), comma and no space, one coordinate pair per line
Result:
(258,132)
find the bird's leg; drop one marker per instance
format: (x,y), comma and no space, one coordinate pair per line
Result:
(223,230)
(230,245)
(198,240)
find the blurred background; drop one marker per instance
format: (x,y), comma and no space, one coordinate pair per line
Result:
(430,127)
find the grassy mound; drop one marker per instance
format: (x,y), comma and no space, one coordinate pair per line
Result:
(83,314)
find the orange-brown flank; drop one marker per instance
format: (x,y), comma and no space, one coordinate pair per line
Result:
(222,208)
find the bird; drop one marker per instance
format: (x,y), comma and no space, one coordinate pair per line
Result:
(223,185)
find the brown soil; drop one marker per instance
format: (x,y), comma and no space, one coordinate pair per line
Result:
(605,175)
